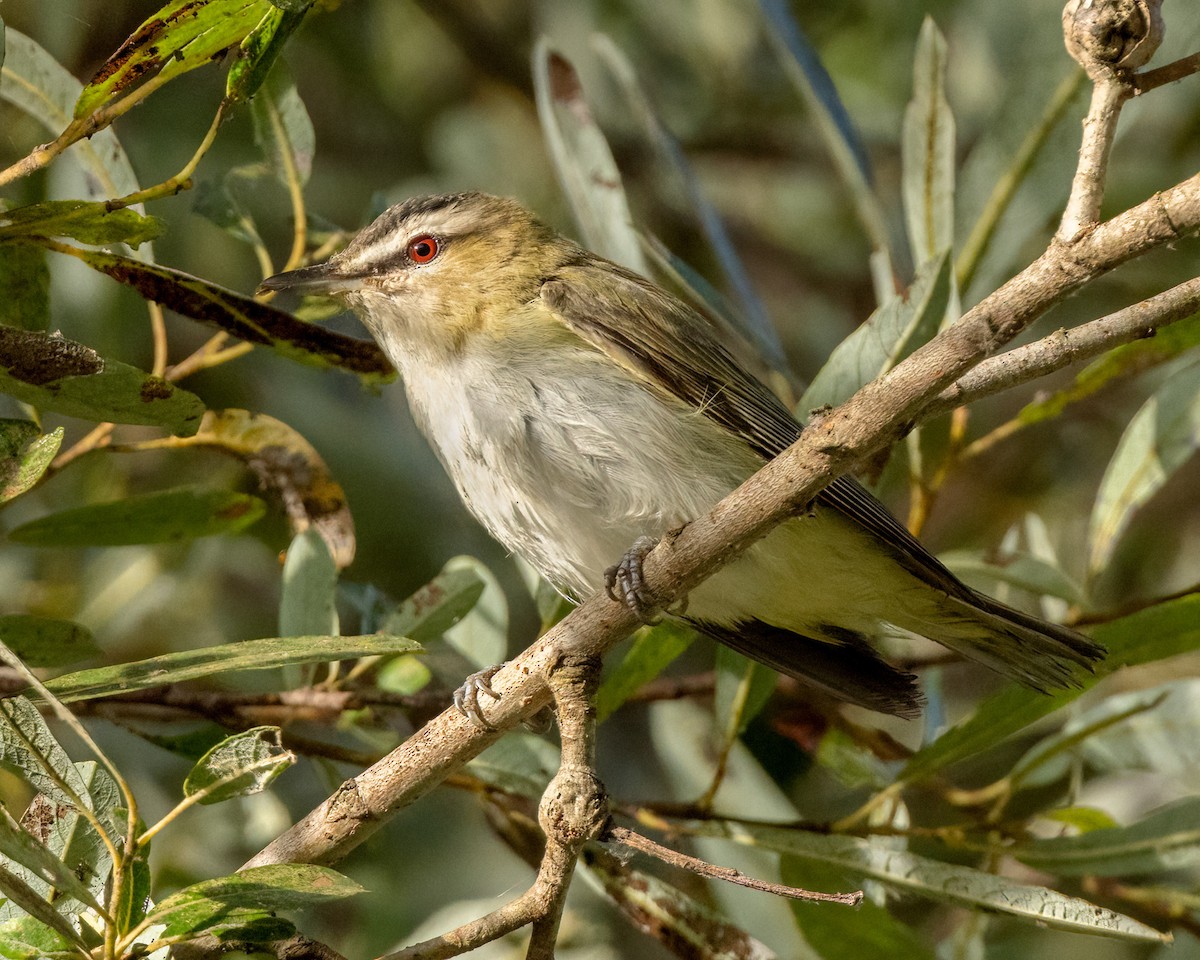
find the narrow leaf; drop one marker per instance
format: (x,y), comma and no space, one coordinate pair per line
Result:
(82,220)
(160,517)
(240,316)
(583,161)
(652,651)
(285,886)
(1166,840)
(239,766)
(438,605)
(52,373)
(72,838)
(1016,569)
(33,81)
(743,689)
(927,150)
(180,36)
(42,642)
(889,335)
(1152,634)
(224,921)
(1160,438)
(183,665)
(910,873)
(258,52)
(283,130)
(25,279)
(307,602)
(25,455)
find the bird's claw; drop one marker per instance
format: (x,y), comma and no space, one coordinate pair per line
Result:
(625,583)
(466,697)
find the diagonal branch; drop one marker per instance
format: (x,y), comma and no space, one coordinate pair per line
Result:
(837,443)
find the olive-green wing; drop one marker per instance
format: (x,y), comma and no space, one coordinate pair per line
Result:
(622,314)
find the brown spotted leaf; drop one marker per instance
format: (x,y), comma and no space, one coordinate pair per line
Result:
(288,464)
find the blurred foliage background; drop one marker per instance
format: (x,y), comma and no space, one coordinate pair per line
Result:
(416,97)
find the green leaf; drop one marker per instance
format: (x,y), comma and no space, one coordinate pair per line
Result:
(25,279)
(521,763)
(18,846)
(927,150)
(29,749)
(225,922)
(481,635)
(82,220)
(283,130)
(743,689)
(867,932)
(1160,438)
(285,886)
(1166,840)
(243,764)
(180,36)
(1160,631)
(907,872)
(583,161)
(307,604)
(183,665)
(240,316)
(160,517)
(52,373)
(852,764)
(36,83)
(889,335)
(652,651)
(1125,361)
(42,642)
(70,836)
(258,52)
(25,455)
(1161,734)
(1083,819)
(25,938)
(1016,569)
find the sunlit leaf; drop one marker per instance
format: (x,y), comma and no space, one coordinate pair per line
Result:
(43,642)
(908,872)
(481,635)
(82,220)
(927,150)
(25,938)
(59,375)
(183,665)
(25,455)
(243,764)
(18,846)
(159,517)
(261,47)
(583,161)
(182,35)
(30,750)
(1166,840)
(1160,438)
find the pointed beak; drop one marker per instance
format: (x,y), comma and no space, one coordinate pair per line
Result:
(322,279)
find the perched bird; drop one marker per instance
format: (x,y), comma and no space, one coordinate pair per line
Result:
(579,408)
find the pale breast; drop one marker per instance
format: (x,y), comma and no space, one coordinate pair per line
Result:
(568,463)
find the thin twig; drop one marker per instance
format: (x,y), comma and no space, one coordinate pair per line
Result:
(1177,70)
(1099,128)
(635,841)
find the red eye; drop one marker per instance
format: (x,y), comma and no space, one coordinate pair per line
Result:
(422,249)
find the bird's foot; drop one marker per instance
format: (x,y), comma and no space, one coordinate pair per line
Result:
(625,583)
(466,697)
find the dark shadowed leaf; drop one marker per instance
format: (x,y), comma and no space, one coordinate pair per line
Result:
(147,518)
(42,642)
(242,317)
(25,280)
(59,375)
(265,654)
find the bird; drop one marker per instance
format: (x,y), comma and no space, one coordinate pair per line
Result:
(582,412)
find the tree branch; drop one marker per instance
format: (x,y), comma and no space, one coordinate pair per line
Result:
(835,444)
